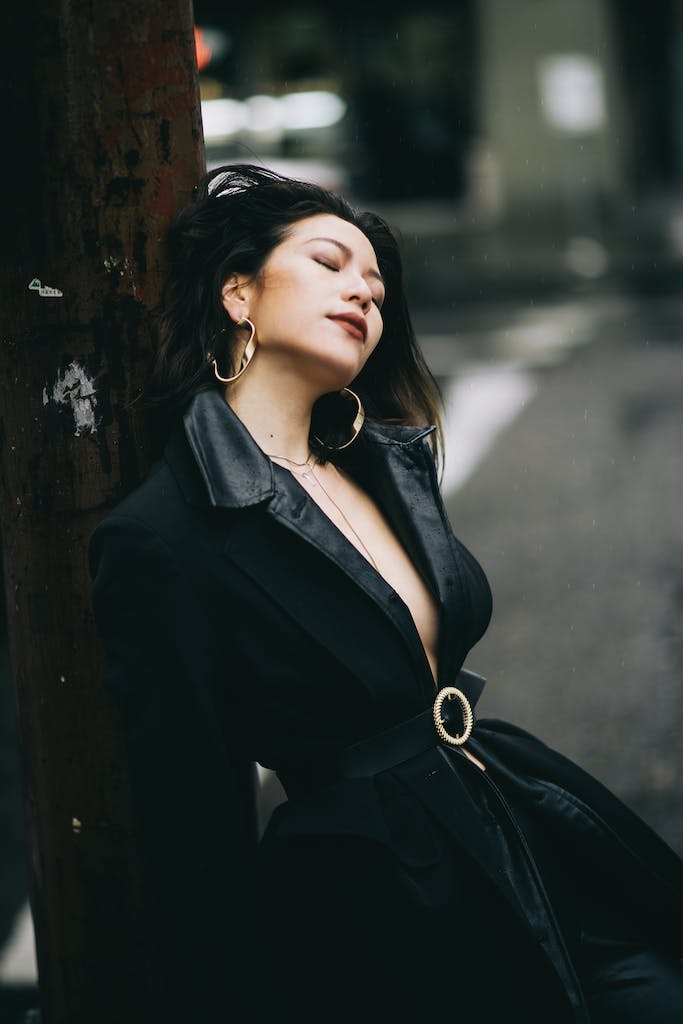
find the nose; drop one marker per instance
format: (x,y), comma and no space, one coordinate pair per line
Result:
(358,290)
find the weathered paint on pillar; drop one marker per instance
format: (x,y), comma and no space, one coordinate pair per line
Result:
(102,136)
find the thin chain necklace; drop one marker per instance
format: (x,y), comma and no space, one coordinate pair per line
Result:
(303,467)
(307,471)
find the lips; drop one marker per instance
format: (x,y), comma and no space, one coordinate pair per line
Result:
(354,323)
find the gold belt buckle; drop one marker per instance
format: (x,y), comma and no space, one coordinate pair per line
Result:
(448,693)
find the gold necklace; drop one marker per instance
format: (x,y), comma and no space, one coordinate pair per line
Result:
(303,466)
(309,474)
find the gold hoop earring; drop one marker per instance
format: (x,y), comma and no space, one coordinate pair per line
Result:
(358,421)
(247,355)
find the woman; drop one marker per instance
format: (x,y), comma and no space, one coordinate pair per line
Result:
(285,588)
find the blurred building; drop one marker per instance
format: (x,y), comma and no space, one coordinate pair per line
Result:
(382,104)
(558,120)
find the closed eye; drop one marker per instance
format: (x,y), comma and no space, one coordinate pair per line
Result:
(331,266)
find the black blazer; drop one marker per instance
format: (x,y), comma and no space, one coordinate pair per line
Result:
(241,626)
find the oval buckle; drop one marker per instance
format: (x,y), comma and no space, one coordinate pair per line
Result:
(449,692)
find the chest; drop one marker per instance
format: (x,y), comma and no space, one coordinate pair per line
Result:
(361,521)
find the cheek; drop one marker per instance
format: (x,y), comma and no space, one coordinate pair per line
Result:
(276,305)
(288,294)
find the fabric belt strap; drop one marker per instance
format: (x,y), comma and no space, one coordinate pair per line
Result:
(403,741)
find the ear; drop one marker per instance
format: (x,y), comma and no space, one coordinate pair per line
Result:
(236,296)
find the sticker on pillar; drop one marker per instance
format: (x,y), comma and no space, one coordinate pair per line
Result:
(44,290)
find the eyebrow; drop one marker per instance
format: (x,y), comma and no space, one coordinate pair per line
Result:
(347,252)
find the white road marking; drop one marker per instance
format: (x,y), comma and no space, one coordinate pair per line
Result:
(482,399)
(542,336)
(18,955)
(477,407)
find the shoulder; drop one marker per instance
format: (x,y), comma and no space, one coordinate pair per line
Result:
(170,500)
(144,563)
(154,516)
(154,501)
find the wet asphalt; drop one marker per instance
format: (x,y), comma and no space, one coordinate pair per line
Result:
(575,514)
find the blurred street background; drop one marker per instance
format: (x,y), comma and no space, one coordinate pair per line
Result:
(529,153)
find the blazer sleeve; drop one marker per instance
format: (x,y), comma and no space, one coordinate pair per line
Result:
(193,800)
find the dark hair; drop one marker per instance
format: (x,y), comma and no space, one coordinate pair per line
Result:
(238,215)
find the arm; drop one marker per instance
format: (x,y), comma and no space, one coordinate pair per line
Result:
(193,817)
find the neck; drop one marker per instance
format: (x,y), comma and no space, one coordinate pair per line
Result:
(275,411)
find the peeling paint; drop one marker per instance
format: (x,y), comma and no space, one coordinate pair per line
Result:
(122,267)
(76,389)
(113,265)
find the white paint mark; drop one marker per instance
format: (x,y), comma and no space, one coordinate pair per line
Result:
(477,406)
(46,397)
(76,389)
(44,290)
(18,955)
(544,336)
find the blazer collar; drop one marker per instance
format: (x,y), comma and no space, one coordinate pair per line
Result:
(228,470)
(234,470)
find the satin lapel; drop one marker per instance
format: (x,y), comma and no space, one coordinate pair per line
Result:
(264,558)
(403,479)
(399,472)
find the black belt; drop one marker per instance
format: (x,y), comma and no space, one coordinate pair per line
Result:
(408,739)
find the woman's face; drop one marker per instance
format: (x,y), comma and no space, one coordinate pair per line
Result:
(316,303)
